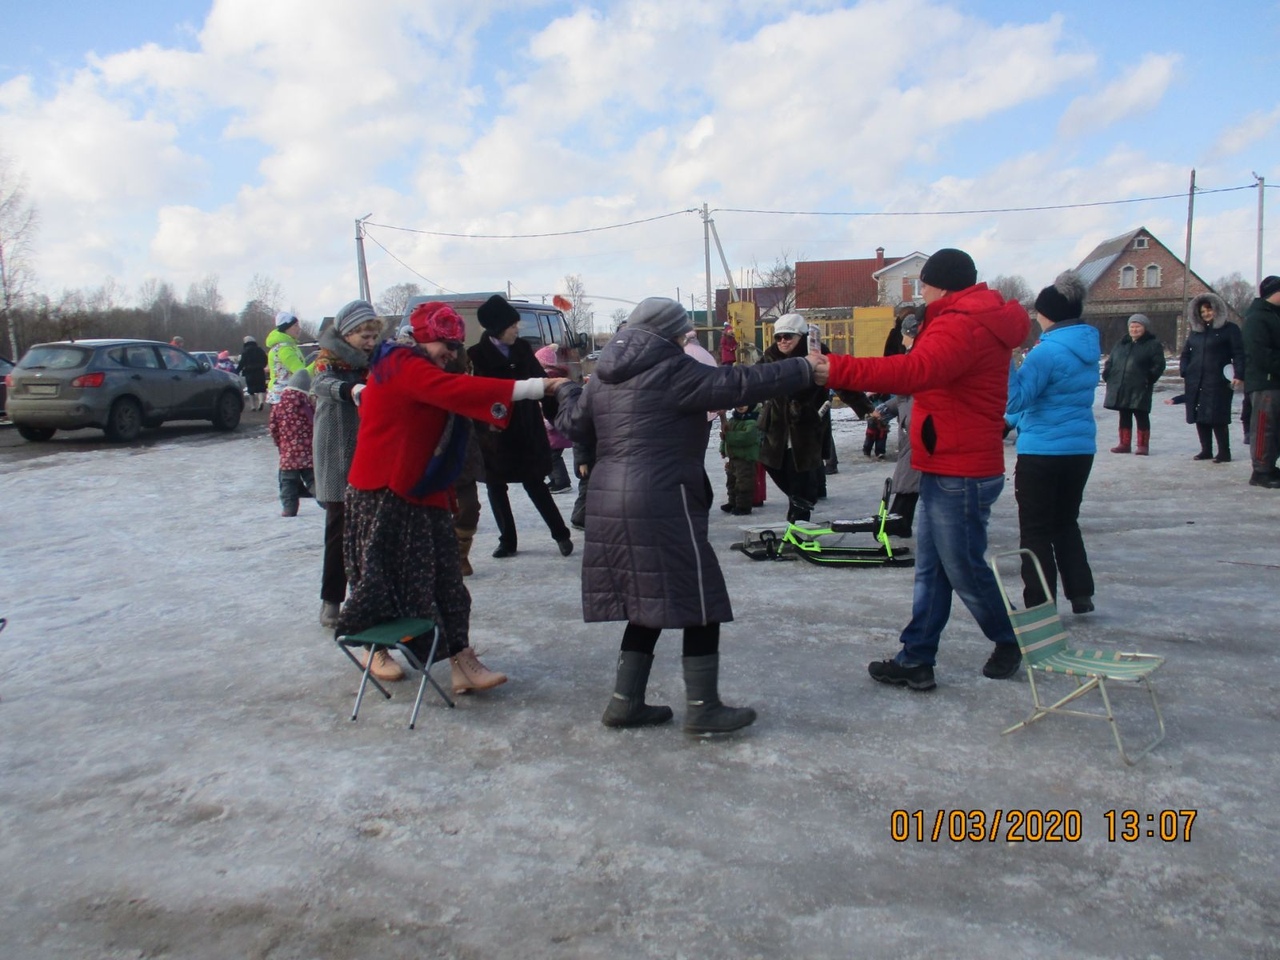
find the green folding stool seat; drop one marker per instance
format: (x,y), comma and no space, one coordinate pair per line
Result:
(396,635)
(1045,651)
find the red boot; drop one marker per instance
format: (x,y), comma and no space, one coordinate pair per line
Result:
(1126,441)
(1143,447)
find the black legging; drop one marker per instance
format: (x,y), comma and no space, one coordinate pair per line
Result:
(1127,417)
(540,494)
(699,641)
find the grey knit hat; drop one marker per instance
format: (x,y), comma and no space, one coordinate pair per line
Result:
(660,315)
(1143,319)
(301,380)
(352,315)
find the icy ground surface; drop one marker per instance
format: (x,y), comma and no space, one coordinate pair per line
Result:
(179,776)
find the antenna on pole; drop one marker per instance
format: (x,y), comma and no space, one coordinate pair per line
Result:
(362,269)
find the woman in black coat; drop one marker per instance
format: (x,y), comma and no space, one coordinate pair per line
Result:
(647,559)
(253,367)
(1214,342)
(520,454)
(1131,372)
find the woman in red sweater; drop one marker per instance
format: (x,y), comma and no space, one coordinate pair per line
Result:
(400,549)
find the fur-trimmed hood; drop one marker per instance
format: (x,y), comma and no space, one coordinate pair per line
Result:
(1219,311)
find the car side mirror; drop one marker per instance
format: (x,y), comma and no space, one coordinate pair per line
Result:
(204,363)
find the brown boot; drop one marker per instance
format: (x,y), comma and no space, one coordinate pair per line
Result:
(1143,447)
(1126,442)
(384,668)
(465,536)
(470,674)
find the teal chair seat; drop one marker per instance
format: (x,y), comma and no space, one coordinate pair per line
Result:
(397,635)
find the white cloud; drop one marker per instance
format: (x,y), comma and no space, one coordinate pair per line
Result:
(1236,139)
(1138,90)
(253,150)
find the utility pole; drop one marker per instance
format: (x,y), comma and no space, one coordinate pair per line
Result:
(706,249)
(362,268)
(1186,264)
(1262,183)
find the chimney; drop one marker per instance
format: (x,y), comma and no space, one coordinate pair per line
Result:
(879,259)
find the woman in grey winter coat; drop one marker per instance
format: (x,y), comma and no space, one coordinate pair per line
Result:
(647,558)
(1131,373)
(341,368)
(1214,342)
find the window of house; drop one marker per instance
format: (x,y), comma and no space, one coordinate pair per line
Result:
(1153,276)
(1128,278)
(1140,243)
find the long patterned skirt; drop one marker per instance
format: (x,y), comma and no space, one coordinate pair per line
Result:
(402,561)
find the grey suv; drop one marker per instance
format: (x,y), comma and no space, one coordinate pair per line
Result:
(119,386)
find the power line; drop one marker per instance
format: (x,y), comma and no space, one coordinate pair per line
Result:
(532,236)
(439,286)
(958,213)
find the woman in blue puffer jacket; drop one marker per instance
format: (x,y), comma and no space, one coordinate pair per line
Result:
(1051,403)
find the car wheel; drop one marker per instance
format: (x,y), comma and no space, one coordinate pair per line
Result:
(226,415)
(35,434)
(124,422)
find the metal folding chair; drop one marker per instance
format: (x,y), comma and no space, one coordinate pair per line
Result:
(1043,642)
(396,635)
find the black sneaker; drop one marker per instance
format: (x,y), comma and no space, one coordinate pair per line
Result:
(1263,480)
(1003,662)
(566,546)
(1082,605)
(727,507)
(890,671)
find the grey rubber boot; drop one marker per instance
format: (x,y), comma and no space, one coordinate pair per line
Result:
(627,707)
(705,713)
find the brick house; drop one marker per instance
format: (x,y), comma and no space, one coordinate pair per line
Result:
(1136,273)
(835,287)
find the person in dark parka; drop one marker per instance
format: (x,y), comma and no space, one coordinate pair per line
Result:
(521,453)
(1213,343)
(1131,372)
(647,559)
(253,367)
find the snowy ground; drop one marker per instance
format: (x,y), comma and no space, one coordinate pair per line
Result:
(181,779)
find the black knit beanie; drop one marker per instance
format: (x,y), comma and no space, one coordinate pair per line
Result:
(949,269)
(496,315)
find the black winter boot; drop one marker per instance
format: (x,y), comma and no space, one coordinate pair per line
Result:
(705,713)
(627,707)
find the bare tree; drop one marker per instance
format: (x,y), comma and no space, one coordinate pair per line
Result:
(1236,291)
(106,297)
(18,223)
(158,298)
(578,316)
(205,296)
(1014,288)
(265,291)
(781,280)
(395,299)
(619,317)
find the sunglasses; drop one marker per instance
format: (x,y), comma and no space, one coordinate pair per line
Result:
(785,336)
(454,345)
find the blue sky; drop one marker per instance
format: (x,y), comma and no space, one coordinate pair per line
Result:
(238,138)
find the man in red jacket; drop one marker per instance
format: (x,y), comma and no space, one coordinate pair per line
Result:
(958,373)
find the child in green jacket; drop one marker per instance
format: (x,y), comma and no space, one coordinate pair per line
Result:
(740,443)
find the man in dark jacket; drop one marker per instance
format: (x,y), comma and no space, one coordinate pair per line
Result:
(958,373)
(1262,380)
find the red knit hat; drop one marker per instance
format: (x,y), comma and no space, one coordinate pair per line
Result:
(436,321)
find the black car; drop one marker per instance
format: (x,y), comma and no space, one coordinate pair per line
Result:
(119,386)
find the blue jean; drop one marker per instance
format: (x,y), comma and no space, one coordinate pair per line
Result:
(951,541)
